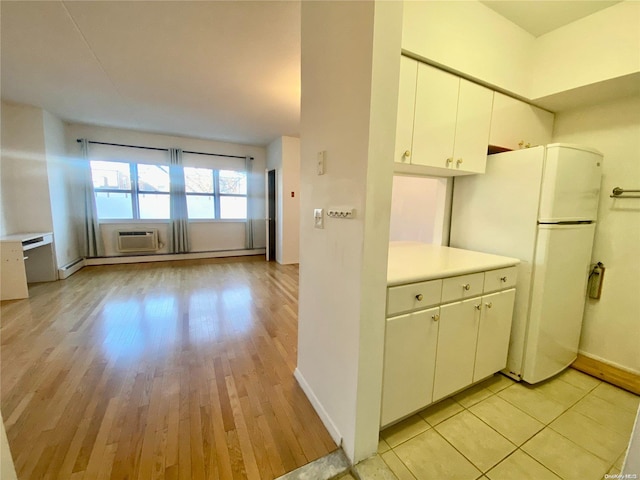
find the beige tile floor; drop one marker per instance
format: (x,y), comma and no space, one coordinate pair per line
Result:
(571,427)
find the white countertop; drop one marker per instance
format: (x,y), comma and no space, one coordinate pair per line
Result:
(23,237)
(414,262)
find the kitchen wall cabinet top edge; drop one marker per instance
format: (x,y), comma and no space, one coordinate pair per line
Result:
(446,123)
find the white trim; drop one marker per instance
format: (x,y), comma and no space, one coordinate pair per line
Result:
(70,268)
(608,362)
(171,256)
(322,413)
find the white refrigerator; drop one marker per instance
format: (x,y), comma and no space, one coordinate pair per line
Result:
(539,205)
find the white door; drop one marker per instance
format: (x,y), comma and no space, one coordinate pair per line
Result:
(570,184)
(493,333)
(409,359)
(457,336)
(561,270)
(472,127)
(406,107)
(434,125)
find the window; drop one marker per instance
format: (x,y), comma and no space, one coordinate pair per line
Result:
(131,190)
(214,193)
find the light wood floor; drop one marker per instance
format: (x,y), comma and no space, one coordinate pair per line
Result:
(159,370)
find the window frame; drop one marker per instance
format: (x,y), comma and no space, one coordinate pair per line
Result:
(217,195)
(135,190)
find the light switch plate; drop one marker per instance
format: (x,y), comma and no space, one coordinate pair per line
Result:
(318,218)
(322,156)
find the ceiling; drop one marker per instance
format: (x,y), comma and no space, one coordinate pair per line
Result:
(221,70)
(542,16)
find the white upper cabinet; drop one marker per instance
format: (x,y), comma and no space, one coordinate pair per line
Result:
(406,108)
(516,124)
(434,127)
(472,127)
(443,122)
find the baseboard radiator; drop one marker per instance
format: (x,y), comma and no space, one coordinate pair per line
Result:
(137,240)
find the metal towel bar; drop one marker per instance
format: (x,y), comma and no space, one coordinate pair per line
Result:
(620,193)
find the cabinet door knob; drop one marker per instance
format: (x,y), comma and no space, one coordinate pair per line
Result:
(489,305)
(407,153)
(466,286)
(503,279)
(478,306)
(459,161)
(419,297)
(435,317)
(449,160)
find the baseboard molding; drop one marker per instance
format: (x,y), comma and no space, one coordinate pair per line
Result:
(596,367)
(171,256)
(70,268)
(322,413)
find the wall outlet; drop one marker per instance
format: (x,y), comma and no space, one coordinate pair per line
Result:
(318,218)
(344,212)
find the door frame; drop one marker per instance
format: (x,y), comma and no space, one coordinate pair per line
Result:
(267,217)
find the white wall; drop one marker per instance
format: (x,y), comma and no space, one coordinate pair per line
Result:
(418,209)
(58,174)
(289,246)
(566,58)
(469,38)
(205,236)
(25,186)
(350,72)
(611,331)
(283,155)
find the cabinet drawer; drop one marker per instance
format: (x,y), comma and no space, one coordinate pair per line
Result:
(414,296)
(500,279)
(464,286)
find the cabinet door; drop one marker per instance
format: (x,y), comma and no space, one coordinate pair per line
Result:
(493,333)
(457,335)
(409,359)
(472,127)
(406,104)
(435,117)
(515,124)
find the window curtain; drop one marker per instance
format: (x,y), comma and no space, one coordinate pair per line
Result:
(92,239)
(178,204)
(249,223)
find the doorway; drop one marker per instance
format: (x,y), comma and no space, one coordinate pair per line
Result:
(271,215)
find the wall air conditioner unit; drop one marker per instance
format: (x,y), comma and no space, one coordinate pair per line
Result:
(137,240)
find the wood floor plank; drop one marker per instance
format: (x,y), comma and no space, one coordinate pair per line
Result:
(168,370)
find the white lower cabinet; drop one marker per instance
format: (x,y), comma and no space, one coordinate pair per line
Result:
(456,347)
(493,333)
(432,353)
(410,353)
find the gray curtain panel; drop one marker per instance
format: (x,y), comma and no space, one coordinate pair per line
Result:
(92,239)
(249,223)
(178,204)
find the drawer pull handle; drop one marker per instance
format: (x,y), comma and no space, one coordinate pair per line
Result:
(419,297)
(466,286)
(478,306)
(435,317)
(503,279)
(489,305)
